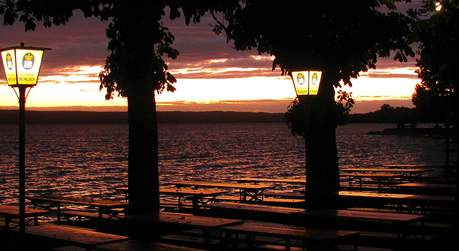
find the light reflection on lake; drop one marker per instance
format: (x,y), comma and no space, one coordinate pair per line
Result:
(91,159)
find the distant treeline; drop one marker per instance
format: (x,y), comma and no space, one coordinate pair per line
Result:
(75,117)
(386,114)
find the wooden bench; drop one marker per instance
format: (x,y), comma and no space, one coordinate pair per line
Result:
(266,200)
(367,220)
(247,192)
(309,236)
(255,212)
(407,202)
(77,236)
(130,245)
(89,215)
(12,212)
(136,245)
(282,194)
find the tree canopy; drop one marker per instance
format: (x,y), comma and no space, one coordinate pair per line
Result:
(438,65)
(344,36)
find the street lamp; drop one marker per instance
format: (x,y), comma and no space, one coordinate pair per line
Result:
(438,6)
(306,83)
(22,67)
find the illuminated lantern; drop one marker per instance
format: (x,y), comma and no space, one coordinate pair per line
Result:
(306,82)
(22,65)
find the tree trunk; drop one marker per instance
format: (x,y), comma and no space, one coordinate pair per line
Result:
(143,179)
(456,137)
(137,31)
(322,172)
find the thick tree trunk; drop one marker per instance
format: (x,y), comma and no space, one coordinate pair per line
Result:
(322,172)
(143,180)
(456,137)
(137,31)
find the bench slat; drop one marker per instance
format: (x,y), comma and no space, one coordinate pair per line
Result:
(74,235)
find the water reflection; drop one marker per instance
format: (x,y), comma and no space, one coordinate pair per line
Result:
(91,159)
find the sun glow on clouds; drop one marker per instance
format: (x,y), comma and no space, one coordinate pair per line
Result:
(218,90)
(79,86)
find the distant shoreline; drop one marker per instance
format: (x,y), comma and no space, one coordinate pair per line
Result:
(79,117)
(85,117)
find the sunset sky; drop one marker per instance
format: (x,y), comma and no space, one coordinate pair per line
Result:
(211,74)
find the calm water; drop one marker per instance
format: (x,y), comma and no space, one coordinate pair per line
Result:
(91,160)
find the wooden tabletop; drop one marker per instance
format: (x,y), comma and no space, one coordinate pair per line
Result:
(242,186)
(138,245)
(71,234)
(427,185)
(192,192)
(255,208)
(280,230)
(385,170)
(418,198)
(13,211)
(277,180)
(372,175)
(182,191)
(79,201)
(195,220)
(407,166)
(375,195)
(368,215)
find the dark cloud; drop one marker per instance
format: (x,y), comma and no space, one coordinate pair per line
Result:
(83,42)
(80,42)
(389,75)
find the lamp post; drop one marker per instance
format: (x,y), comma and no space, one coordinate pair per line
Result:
(306,84)
(22,67)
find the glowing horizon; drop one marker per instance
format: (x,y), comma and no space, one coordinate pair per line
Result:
(79,86)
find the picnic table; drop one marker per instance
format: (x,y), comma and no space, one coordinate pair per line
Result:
(410,201)
(428,187)
(195,221)
(322,239)
(137,245)
(408,173)
(272,180)
(247,192)
(104,207)
(381,178)
(407,166)
(12,212)
(398,222)
(182,221)
(255,212)
(199,197)
(81,237)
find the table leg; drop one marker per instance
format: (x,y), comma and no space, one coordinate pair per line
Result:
(58,213)
(7,221)
(194,203)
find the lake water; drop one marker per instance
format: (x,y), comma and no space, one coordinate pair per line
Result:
(91,159)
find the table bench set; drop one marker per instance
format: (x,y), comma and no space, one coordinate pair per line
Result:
(225,227)
(232,219)
(102,209)
(385,177)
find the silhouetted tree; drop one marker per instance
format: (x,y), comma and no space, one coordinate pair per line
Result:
(295,115)
(134,69)
(438,62)
(430,106)
(342,38)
